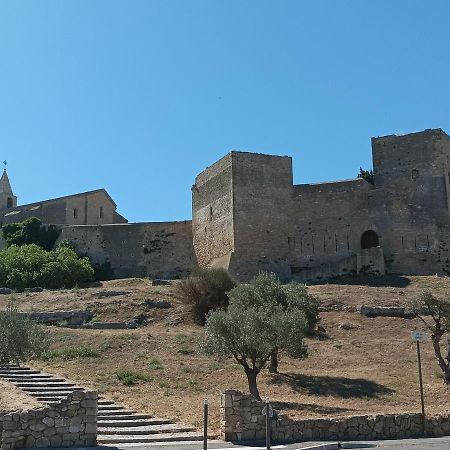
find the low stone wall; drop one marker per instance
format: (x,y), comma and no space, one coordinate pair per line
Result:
(70,423)
(242,419)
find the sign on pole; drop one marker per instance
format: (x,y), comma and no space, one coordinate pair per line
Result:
(418,336)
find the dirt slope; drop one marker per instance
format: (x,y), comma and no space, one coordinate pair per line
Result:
(362,366)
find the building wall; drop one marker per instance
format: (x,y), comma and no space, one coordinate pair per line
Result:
(61,211)
(212,213)
(313,232)
(262,203)
(155,250)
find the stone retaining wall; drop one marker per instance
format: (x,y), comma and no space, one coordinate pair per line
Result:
(70,423)
(242,419)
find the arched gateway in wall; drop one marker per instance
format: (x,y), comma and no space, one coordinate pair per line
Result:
(369,239)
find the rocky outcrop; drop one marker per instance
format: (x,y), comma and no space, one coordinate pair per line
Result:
(384,311)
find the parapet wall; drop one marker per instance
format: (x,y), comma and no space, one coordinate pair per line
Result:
(70,423)
(242,419)
(156,250)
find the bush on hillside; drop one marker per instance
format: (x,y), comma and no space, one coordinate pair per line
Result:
(206,291)
(20,338)
(31,231)
(30,266)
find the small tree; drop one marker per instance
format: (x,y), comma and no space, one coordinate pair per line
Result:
(20,338)
(31,231)
(266,291)
(206,290)
(366,175)
(253,328)
(435,314)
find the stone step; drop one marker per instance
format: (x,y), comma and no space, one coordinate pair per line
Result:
(19,372)
(43,383)
(145,430)
(112,407)
(51,389)
(120,417)
(162,437)
(49,399)
(105,402)
(116,412)
(133,422)
(56,392)
(33,379)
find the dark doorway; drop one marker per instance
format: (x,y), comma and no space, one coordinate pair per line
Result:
(369,239)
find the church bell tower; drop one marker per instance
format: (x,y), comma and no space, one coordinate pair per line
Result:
(7,198)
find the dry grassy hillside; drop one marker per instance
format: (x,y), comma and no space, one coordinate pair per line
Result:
(363,366)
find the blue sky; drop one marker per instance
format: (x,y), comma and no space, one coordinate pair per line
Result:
(140,96)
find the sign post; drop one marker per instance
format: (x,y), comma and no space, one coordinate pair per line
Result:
(418,337)
(268,412)
(205,424)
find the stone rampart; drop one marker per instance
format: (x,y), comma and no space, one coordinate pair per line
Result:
(242,419)
(70,423)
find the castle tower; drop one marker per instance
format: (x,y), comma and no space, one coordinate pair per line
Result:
(7,198)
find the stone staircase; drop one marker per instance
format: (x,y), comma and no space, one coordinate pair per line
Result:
(116,425)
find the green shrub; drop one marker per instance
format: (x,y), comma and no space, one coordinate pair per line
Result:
(155,364)
(206,291)
(69,353)
(20,338)
(31,231)
(31,266)
(130,377)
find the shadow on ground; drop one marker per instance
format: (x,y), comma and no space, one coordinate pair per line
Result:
(371,281)
(309,407)
(334,386)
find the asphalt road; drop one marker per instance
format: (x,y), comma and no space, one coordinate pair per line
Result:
(404,444)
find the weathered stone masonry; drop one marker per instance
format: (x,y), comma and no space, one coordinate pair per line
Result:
(70,423)
(242,419)
(248,216)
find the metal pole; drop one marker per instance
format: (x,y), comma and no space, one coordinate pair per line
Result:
(421,388)
(267,424)
(205,424)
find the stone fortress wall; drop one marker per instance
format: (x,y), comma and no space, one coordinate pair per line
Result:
(399,224)
(248,216)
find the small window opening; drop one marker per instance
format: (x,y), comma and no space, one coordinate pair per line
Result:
(414,174)
(210,211)
(312,243)
(75,213)
(369,239)
(9,202)
(101,212)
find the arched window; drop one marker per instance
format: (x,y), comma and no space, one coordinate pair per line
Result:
(101,212)
(369,239)
(9,202)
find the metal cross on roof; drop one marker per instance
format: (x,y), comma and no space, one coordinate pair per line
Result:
(5,163)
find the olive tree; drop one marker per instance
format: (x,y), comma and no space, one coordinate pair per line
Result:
(435,314)
(266,290)
(253,328)
(20,338)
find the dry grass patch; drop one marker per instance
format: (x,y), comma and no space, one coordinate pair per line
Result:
(13,399)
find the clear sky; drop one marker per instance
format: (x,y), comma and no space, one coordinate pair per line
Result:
(140,96)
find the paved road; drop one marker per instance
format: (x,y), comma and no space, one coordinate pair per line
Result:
(405,444)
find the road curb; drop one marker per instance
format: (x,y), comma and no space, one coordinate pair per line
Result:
(328,446)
